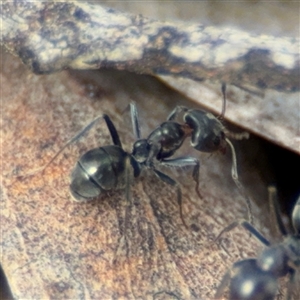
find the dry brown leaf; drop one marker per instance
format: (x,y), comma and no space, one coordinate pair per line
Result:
(55,248)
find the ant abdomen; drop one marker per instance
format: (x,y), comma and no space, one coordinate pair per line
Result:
(98,170)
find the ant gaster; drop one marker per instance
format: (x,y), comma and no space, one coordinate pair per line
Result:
(256,278)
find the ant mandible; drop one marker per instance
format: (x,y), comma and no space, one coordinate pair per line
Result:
(257,278)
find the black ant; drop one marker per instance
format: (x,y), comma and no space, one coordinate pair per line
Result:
(257,278)
(110,167)
(207,133)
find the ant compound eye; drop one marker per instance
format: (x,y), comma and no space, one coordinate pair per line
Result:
(217,141)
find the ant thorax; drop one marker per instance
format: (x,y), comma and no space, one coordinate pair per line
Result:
(161,143)
(166,139)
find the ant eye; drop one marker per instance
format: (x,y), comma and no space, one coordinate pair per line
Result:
(217,141)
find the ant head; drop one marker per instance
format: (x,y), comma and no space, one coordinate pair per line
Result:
(296,216)
(207,131)
(141,150)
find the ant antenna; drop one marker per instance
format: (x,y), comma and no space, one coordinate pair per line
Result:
(72,140)
(233,135)
(235,177)
(135,121)
(223,88)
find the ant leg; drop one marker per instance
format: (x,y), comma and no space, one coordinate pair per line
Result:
(274,209)
(176,111)
(248,227)
(135,121)
(223,88)
(235,177)
(171,294)
(127,192)
(112,130)
(291,285)
(123,231)
(184,162)
(223,284)
(296,216)
(165,178)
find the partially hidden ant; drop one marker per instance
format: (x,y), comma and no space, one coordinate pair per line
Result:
(257,278)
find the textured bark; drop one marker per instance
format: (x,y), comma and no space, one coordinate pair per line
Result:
(51,36)
(55,248)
